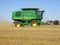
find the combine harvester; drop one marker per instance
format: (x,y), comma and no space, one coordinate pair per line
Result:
(28,17)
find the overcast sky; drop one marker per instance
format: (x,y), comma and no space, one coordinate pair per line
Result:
(51,7)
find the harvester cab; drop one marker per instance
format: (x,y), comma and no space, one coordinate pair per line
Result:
(27,16)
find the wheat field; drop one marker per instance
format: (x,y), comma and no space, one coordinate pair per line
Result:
(40,35)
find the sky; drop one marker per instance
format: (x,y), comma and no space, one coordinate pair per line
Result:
(51,8)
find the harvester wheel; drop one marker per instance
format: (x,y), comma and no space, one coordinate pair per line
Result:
(34,23)
(56,22)
(17,25)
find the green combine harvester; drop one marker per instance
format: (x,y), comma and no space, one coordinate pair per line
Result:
(27,16)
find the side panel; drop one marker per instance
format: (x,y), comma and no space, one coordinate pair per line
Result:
(28,15)
(25,15)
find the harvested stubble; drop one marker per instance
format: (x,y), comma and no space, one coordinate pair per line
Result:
(40,35)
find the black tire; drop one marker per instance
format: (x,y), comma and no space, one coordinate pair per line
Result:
(56,22)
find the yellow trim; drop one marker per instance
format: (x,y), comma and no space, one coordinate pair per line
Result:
(34,24)
(18,25)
